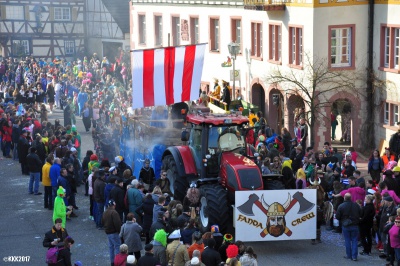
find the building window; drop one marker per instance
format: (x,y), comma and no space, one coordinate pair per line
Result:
(20,47)
(386,115)
(214,34)
(69,47)
(296,46)
(158,30)
(341,46)
(194,30)
(236,32)
(15,12)
(176,30)
(62,13)
(395,114)
(142,29)
(275,43)
(256,39)
(390,48)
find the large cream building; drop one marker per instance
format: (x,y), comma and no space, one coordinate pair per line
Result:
(284,35)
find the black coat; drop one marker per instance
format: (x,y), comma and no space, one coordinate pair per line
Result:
(67,115)
(148,260)
(297,161)
(146,210)
(350,210)
(53,234)
(23,148)
(117,193)
(64,257)
(286,140)
(34,163)
(367,216)
(210,257)
(40,150)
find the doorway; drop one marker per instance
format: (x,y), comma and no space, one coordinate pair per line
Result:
(258,96)
(341,121)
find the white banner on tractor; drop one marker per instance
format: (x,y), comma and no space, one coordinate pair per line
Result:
(270,215)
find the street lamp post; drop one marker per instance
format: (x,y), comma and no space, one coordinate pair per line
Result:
(234,49)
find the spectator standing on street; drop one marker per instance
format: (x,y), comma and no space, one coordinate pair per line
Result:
(121,257)
(159,246)
(112,227)
(149,259)
(56,235)
(177,253)
(46,182)
(35,167)
(60,210)
(23,150)
(98,197)
(349,214)
(55,171)
(117,194)
(134,198)
(64,254)
(146,175)
(130,233)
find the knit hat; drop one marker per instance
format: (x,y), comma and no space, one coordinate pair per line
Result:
(215,230)
(232,251)
(228,238)
(118,159)
(161,237)
(93,157)
(371,191)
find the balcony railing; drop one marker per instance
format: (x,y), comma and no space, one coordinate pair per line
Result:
(266,5)
(191,2)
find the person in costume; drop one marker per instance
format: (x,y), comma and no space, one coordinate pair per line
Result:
(160,245)
(82,99)
(60,210)
(217,90)
(93,163)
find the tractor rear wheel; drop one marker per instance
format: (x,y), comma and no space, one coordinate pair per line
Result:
(213,208)
(178,184)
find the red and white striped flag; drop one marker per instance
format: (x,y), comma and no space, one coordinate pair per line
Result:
(166,75)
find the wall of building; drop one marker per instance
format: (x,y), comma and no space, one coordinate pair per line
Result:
(385,14)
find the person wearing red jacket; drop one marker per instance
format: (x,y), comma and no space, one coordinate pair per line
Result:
(7,133)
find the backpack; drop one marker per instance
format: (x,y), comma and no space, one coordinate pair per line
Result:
(52,255)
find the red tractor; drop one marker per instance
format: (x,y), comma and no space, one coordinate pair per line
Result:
(218,160)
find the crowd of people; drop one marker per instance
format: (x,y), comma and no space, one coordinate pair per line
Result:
(362,207)
(130,209)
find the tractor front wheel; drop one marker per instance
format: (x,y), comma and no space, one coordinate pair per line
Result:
(178,184)
(213,208)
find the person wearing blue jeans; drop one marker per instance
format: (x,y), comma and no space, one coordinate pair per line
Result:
(112,227)
(34,165)
(34,178)
(348,213)
(350,234)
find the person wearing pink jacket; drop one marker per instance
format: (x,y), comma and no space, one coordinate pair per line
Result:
(357,193)
(395,238)
(383,189)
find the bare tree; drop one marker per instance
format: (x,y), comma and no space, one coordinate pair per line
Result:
(315,84)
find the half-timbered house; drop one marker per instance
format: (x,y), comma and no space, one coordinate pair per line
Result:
(43,29)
